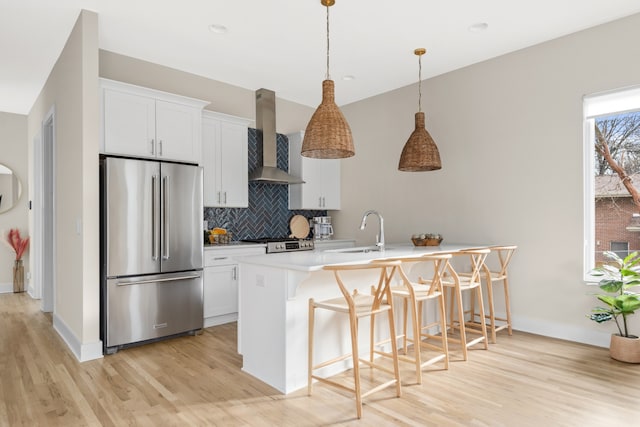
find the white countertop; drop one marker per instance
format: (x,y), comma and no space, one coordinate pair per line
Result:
(234,245)
(316,259)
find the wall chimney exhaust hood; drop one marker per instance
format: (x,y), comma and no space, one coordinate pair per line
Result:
(267,170)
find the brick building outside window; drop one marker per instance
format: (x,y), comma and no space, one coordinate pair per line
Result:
(617,218)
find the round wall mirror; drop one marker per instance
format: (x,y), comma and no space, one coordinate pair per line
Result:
(10,188)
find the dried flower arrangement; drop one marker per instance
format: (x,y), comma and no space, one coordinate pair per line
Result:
(17,243)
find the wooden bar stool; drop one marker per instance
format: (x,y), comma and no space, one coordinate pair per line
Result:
(494,276)
(357,305)
(414,295)
(457,284)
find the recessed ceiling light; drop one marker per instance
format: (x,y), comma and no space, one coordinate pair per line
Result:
(218,29)
(478,27)
(349,77)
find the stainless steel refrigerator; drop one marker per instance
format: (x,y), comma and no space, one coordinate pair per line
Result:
(151,251)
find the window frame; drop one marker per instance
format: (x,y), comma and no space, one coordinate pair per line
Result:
(596,105)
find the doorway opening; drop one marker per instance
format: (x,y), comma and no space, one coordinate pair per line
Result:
(44,214)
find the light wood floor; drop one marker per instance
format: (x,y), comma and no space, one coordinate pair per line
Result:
(524,380)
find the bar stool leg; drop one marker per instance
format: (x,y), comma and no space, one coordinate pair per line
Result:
(507,304)
(443,333)
(492,314)
(310,347)
(483,321)
(353,323)
(394,347)
(404,325)
(417,323)
(463,334)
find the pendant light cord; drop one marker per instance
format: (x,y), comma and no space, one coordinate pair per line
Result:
(328,77)
(419,83)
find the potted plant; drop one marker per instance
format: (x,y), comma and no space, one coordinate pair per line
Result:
(619,276)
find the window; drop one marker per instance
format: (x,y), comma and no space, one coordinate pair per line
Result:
(620,248)
(612,219)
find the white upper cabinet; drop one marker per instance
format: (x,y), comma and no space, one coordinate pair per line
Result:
(224,158)
(141,122)
(321,189)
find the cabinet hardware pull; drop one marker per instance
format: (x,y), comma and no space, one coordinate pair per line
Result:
(160,150)
(153,146)
(225,197)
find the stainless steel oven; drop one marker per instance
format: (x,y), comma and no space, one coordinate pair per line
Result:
(284,244)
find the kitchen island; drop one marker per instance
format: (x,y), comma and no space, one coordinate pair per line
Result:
(274,290)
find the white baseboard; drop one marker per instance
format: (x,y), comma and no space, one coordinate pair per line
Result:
(82,351)
(564,332)
(6,288)
(220,320)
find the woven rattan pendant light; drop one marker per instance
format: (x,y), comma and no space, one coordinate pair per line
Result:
(328,135)
(420,153)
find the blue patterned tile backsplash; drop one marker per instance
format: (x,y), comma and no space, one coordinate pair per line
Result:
(268,214)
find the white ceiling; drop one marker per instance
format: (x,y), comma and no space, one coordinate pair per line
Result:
(281,44)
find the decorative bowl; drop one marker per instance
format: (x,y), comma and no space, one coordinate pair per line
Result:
(426,239)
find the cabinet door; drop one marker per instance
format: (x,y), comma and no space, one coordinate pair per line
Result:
(312,188)
(220,290)
(210,158)
(129,124)
(321,189)
(330,184)
(177,132)
(234,165)
(224,158)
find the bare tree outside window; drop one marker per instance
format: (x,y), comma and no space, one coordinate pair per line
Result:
(618,148)
(617,187)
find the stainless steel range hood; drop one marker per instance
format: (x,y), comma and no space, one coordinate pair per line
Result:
(267,170)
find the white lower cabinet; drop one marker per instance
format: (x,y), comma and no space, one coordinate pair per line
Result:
(220,290)
(221,282)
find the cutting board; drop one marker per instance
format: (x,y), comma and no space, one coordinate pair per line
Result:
(299,227)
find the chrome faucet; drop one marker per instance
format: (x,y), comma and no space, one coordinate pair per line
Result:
(380,235)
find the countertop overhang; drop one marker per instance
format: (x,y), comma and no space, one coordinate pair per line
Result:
(309,261)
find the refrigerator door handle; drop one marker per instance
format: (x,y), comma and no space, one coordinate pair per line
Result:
(167,279)
(154,243)
(166,216)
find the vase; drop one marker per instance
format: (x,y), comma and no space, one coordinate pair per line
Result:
(625,349)
(18,276)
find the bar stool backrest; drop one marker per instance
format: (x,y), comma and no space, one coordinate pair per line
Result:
(504,257)
(387,270)
(478,257)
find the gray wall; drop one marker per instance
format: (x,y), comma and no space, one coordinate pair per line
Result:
(223,98)
(509,132)
(72,91)
(13,154)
